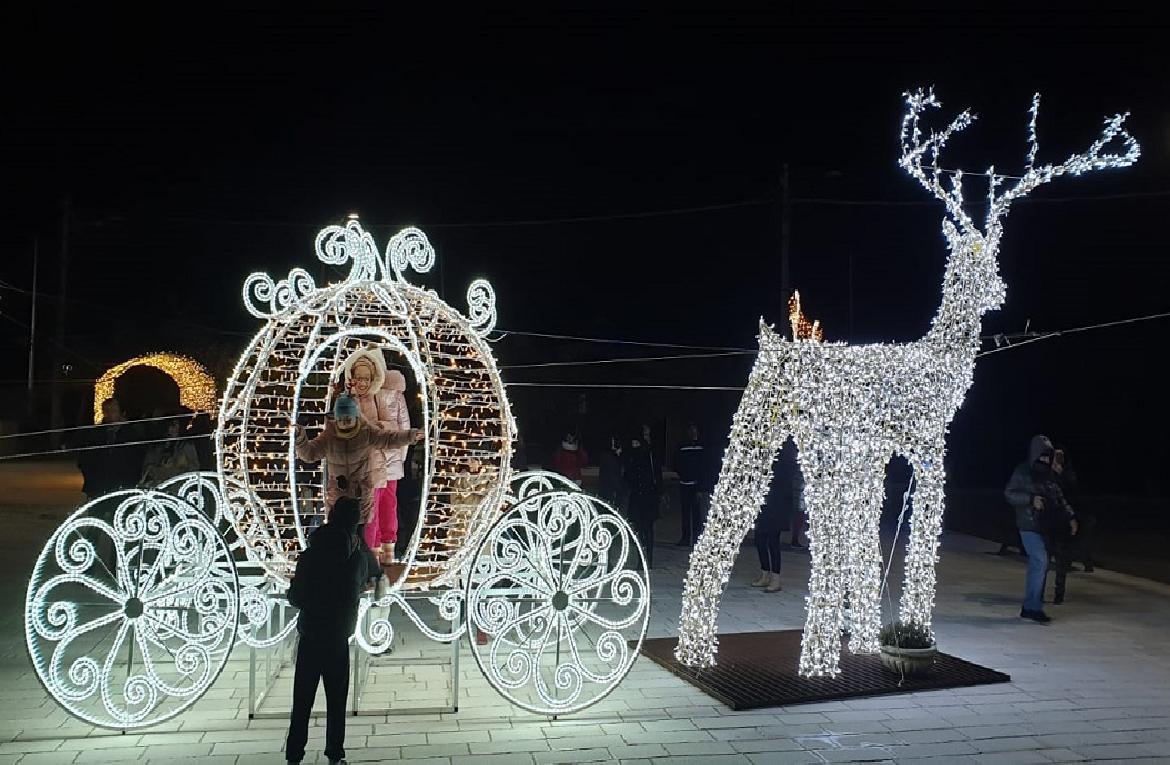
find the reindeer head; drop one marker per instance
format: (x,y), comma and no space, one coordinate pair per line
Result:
(973,265)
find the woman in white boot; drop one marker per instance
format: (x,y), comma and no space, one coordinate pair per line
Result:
(380,395)
(769,524)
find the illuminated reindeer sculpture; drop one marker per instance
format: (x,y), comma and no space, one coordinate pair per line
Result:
(851,408)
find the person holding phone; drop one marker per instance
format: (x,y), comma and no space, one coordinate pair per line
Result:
(1042,513)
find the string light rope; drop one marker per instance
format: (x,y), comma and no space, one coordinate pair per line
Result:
(1032,337)
(287,373)
(196,386)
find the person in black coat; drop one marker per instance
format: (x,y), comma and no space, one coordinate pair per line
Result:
(1046,522)
(327,587)
(644,479)
(772,519)
(1066,476)
(691,464)
(111,456)
(610,482)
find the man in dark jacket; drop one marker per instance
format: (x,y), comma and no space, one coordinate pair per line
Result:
(1041,511)
(690,463)
(326,588)
(610,483)
(111,457)
(644,480)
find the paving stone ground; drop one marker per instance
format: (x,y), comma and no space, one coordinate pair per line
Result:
(1092,686)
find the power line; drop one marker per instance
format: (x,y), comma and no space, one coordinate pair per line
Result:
(52,431)
(54,341)
(1003,343)
(597,386)
(1074,330)
(115,308)
(974,202)
(610,341)
(70,450)
(492,224)
(629,360)
(621,386)
(612,216)
(662,212)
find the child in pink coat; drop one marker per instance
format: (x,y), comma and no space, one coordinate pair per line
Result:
(380,397)
(346,445)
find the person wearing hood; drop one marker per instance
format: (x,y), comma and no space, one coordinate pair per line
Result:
(326,589)
(570,458)
(1041,511)
(346,444)
(1066,476)
(380,395)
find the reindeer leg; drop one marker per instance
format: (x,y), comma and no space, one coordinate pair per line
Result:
(922,550)
(738,497)
(820,645)
(865,567)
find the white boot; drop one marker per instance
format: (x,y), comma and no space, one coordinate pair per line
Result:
(762,580)
(773,583)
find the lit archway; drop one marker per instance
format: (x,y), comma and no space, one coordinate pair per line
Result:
(196,387)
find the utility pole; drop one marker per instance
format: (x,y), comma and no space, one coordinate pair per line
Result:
(32,325)
(785,220)
(56,413)
(851,296)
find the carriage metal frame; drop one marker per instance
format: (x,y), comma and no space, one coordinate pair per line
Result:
(551,580)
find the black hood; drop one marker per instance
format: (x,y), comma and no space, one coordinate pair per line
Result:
(1040,445)
(334,541)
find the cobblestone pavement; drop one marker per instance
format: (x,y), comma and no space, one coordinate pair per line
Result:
(1092,686)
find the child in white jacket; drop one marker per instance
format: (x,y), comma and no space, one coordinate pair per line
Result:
(380,397)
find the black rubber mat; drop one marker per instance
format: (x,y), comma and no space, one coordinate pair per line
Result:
(758,669)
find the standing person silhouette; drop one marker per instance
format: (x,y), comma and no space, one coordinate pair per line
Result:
(326,587)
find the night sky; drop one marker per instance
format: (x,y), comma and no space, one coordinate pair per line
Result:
(195,149)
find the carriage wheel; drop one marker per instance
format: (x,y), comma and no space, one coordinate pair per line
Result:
(266,618)
(560,589)
(132,609)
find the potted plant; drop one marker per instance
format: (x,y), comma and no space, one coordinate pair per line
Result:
(907,649)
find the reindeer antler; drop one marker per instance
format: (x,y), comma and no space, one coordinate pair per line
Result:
(1088,160)
(914,150)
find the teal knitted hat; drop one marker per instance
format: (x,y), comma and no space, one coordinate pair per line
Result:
(345,408)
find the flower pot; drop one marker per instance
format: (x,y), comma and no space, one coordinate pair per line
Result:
(908,661)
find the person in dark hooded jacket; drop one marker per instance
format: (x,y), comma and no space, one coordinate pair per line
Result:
(1042,512)
(326,588)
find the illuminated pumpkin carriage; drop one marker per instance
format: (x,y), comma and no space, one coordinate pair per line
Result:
(551,580)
